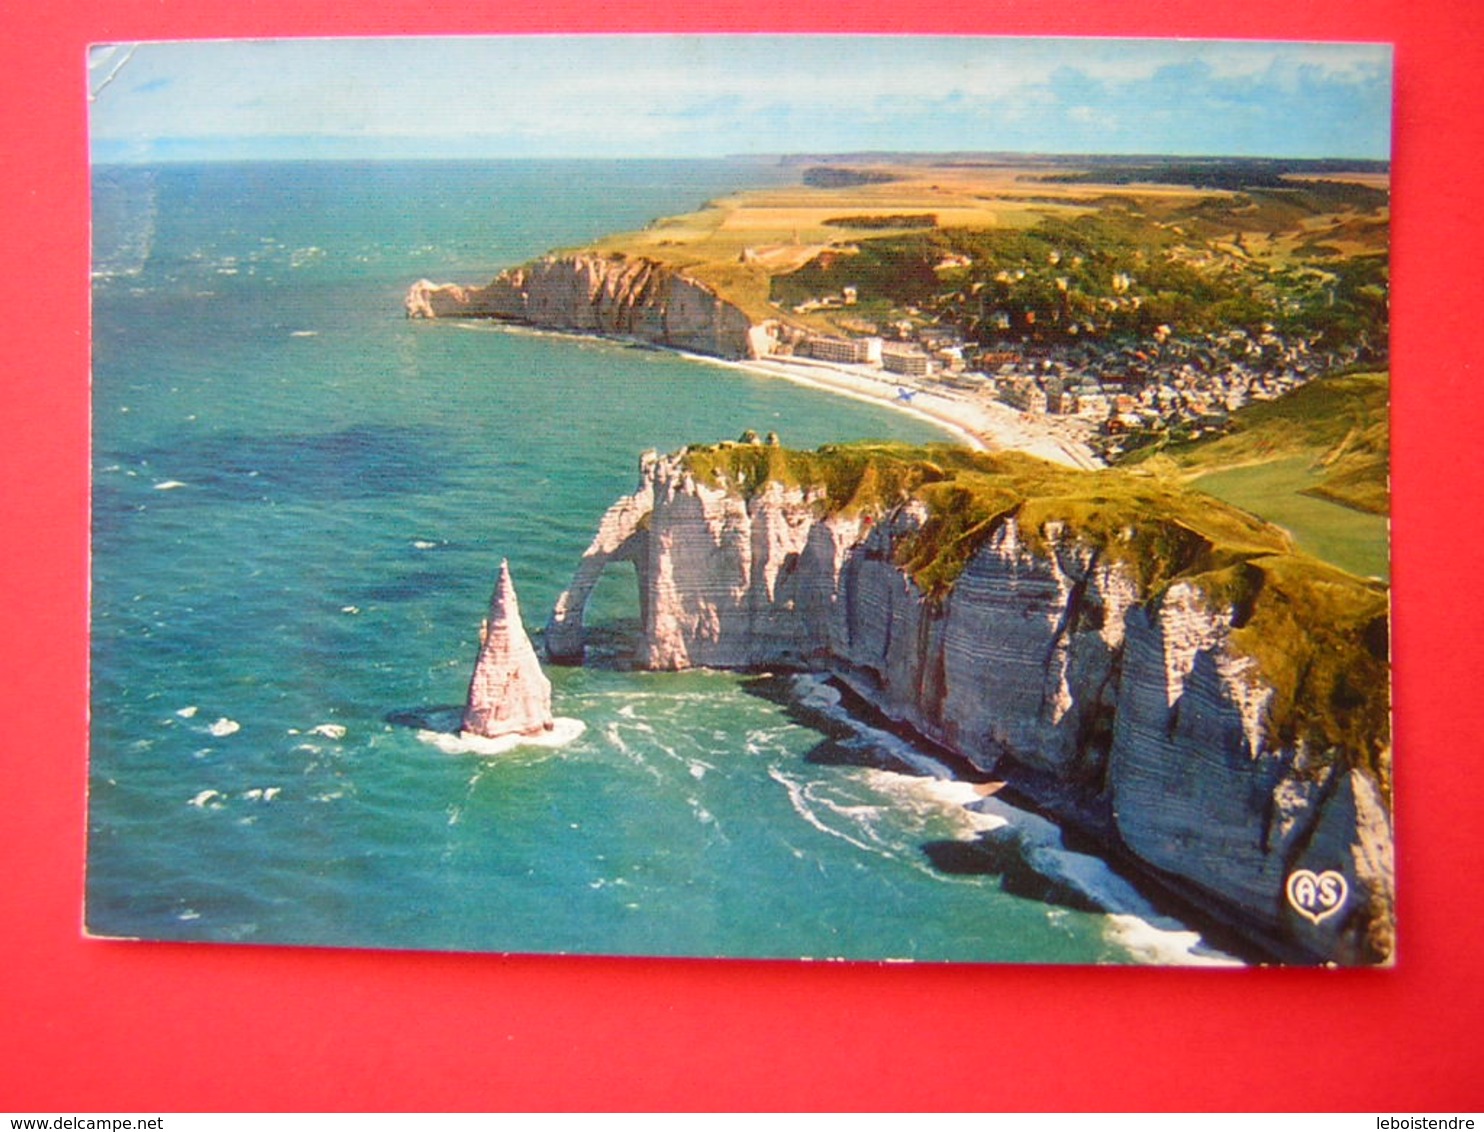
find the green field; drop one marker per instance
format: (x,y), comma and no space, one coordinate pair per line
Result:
(1315,462)
(1352,540)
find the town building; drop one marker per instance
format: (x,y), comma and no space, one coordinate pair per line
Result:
(908,362)
(846,351)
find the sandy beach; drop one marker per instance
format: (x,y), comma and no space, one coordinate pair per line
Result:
(981,424)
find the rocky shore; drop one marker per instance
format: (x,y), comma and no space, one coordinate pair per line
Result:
(1139,712)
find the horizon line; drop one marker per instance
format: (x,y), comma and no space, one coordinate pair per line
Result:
(855,156)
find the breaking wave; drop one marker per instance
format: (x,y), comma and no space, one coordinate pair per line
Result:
(563,731)
(982,836)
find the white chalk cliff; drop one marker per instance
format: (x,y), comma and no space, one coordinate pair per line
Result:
(508,693)
(617,296)
(1132,714)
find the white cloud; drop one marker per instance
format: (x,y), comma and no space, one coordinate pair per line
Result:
(605,92)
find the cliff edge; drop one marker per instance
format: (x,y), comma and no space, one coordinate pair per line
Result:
(1161,670)
(613,295)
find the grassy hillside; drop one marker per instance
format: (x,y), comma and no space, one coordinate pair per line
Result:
(1315,462)
(1159,529)
(1318,634)
(740,243)
(1048,250)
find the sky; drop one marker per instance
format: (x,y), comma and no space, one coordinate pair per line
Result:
(712,96)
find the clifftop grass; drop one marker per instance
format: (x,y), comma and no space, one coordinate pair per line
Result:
(1159,530)
(853,478)
(1317,634)
(1338,423)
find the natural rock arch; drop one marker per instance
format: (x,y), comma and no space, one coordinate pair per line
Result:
(623,536)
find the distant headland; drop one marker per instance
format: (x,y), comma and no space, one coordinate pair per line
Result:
(1082,307)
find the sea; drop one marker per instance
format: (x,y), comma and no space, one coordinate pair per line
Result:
(300,502)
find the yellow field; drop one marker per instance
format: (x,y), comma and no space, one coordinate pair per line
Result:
(737,242)
(1380,181)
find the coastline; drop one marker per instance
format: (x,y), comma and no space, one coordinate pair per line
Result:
(982,426)
(638,316)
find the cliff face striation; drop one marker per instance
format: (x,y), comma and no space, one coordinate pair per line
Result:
(1155,669)
(627,297)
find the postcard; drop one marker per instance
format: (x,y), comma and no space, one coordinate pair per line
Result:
(794,497)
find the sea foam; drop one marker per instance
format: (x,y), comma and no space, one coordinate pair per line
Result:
(1170,945)
(563,731)
(1132,923)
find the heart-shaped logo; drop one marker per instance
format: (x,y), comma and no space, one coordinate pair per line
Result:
(1317,896)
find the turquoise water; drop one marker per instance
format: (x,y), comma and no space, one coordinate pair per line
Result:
(300,503)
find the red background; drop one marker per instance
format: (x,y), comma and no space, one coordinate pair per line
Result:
(88,1025)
